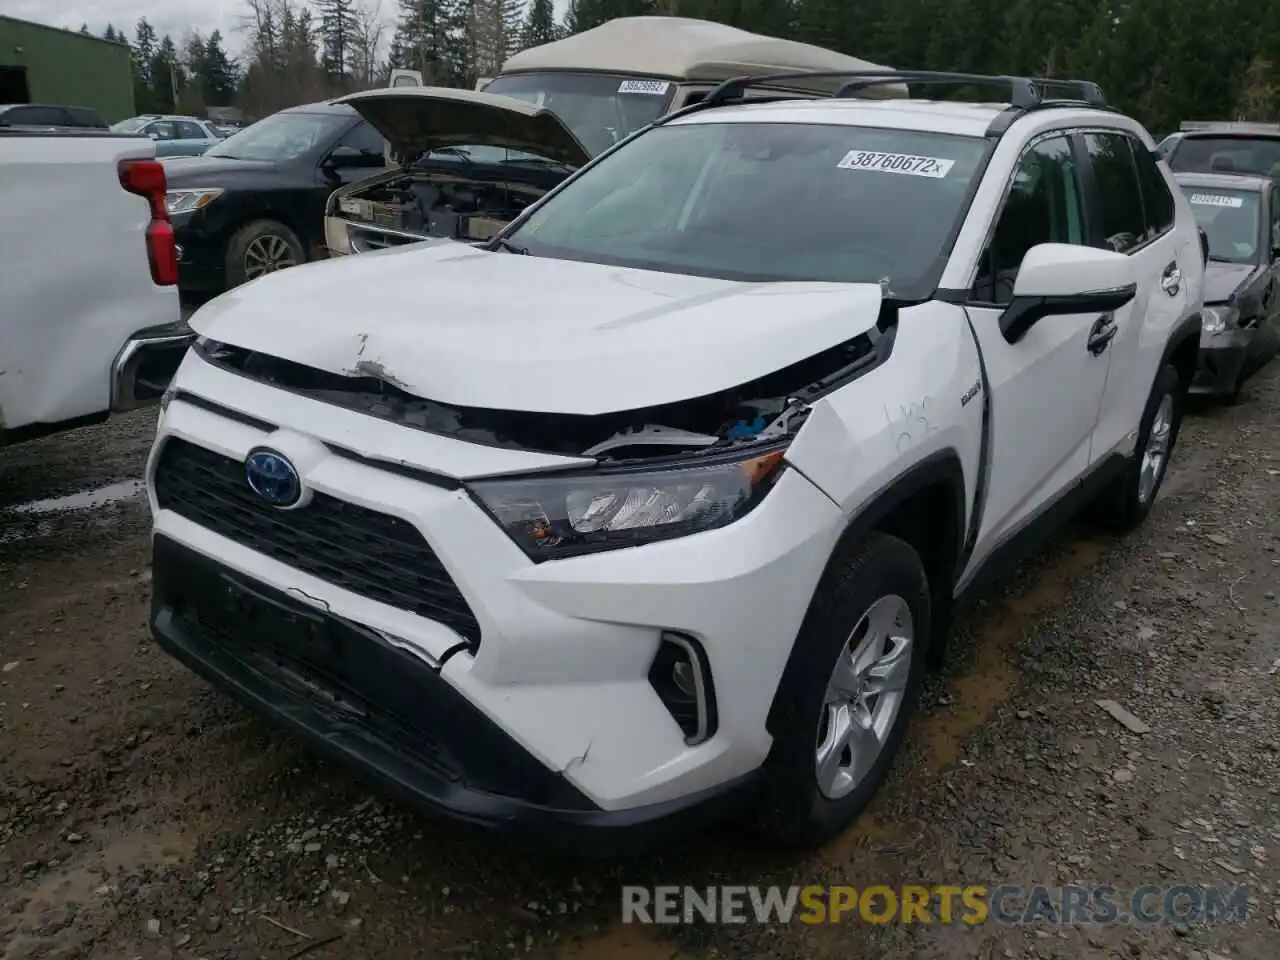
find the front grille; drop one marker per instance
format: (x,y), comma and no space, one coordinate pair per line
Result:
(369,553)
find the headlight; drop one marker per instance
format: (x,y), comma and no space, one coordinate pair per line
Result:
(1214,320)
(573,514)
(187,201)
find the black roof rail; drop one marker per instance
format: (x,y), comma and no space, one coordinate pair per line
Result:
(1025,93)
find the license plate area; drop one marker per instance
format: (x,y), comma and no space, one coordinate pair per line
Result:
(289,642)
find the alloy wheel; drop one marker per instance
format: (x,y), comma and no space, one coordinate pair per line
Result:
(1156,455)
(267,254)
(864,696)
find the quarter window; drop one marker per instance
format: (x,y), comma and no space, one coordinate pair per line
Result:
(1157,200)
(1124,225)
(364,138)
(1043,207)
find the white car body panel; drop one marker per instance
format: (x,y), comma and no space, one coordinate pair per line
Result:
(74,290)
(629,338)
(861,438)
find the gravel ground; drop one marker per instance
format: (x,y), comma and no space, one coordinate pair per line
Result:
(143,815)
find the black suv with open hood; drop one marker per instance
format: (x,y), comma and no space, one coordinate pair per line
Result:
(467,164)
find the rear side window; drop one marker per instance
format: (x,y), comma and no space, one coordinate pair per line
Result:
(85,117)
(1119,194)
(1157,199)
(36,117)
(190,131)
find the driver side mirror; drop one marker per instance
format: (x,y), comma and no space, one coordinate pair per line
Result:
(343,156)
(1062,278)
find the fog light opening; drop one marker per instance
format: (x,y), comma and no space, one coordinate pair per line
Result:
(681,676)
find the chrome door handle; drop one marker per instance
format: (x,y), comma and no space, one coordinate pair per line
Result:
(1100,337)
(1171,280)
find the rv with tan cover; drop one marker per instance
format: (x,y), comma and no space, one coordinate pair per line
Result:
(470,161)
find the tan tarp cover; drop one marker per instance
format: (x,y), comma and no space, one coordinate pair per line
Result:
(692,50)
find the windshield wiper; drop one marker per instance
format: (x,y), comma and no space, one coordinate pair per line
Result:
(1217,258)
(510,247)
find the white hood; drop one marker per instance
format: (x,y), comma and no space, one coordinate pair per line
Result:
(473,328)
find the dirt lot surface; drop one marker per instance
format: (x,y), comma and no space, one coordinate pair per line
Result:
(144,815)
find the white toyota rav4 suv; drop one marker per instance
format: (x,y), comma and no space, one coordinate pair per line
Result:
(657,505)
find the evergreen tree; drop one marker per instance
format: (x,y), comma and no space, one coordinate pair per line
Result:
(539,25)
(338,35)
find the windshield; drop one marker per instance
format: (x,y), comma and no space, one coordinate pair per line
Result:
(1253,155)
(600,110)
(768,202)
(1231,219)
(281,136)
(132,125)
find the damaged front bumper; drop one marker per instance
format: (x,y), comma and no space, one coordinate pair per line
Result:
(146,364)
(366,703)
(1221,362)
(527,695)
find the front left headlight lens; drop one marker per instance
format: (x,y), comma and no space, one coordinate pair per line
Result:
(188,201)
(573,514)
(1214,320)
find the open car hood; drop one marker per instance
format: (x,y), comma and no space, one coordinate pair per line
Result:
(416,120)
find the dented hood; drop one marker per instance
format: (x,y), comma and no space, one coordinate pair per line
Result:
(416,120)
(451,323)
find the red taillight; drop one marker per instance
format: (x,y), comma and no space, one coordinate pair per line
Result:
(145,178)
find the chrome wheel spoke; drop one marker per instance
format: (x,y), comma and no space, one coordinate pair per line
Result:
(890,673)
(1155,454)
(833,774)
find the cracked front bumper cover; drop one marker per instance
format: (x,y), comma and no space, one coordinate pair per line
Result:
(389,714)
(1221,361)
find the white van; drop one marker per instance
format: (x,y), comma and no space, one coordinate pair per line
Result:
(468,162)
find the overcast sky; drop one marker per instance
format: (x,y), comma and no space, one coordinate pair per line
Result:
(174,17)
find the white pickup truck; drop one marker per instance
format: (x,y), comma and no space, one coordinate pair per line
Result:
(90,322)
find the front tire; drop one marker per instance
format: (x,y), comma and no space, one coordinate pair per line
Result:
(259,248)
(849,688)
(1125,504)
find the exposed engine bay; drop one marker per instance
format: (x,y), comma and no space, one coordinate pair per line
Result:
(427,204)
(770,407)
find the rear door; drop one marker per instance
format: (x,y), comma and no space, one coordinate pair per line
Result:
(1132,211)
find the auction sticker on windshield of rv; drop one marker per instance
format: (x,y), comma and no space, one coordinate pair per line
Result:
(1216,200)
(652,88)
(905,163)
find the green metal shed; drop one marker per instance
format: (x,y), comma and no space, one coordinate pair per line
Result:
(42,64)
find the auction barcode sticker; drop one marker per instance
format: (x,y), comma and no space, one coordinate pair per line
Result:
(653,88)
(905,163)
(1216,200)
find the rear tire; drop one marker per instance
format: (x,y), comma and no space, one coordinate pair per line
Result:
(1124,505)
(857,666)
(259,248)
